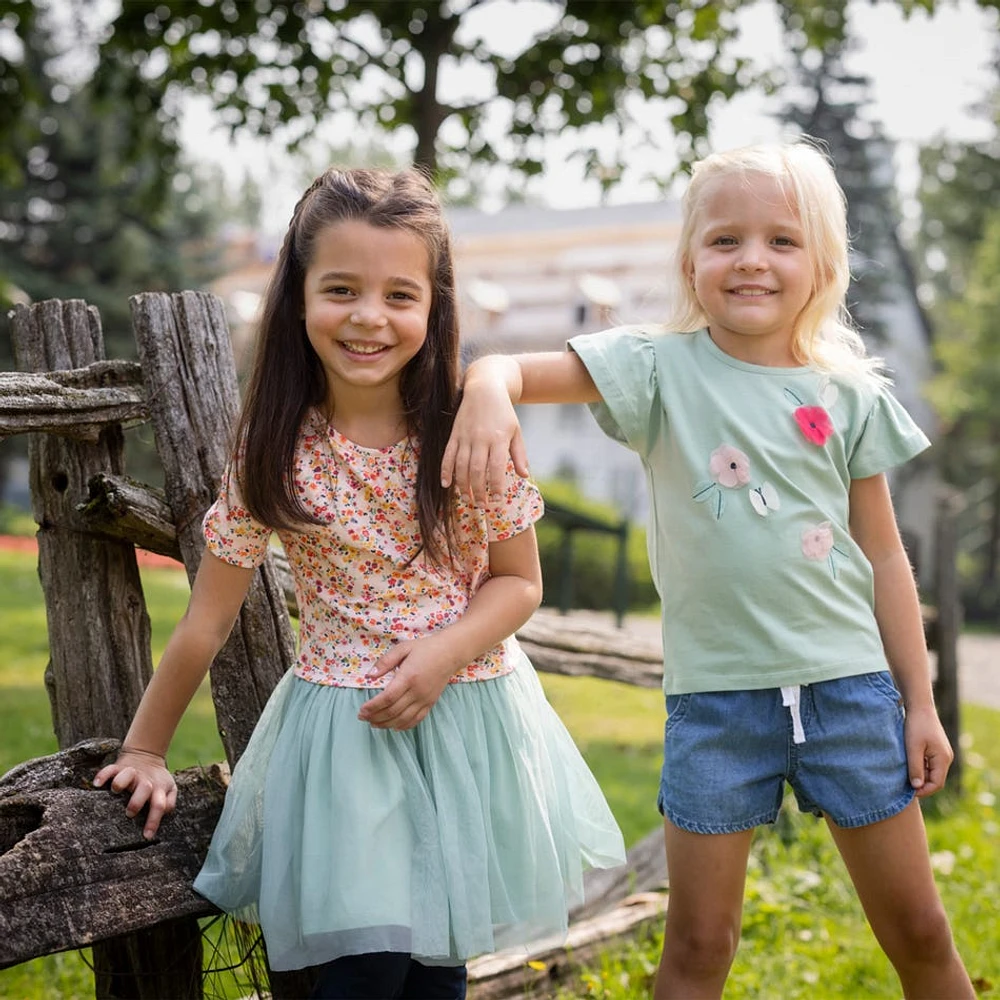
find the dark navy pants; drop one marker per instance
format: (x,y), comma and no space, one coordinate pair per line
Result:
(389,975)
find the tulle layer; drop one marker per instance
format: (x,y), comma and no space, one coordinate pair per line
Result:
(464,835)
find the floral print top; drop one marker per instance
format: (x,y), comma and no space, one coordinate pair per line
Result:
(356,594)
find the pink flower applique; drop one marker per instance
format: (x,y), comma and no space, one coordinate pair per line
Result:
(729,467)
(815,423)
(817,544)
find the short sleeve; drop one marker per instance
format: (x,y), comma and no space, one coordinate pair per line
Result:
(230,532)
(518,509)
(622,363)
(889,437)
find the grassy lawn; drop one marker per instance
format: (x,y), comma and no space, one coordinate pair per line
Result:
(804,934)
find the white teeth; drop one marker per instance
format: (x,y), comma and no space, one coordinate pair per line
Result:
(363,348)
(752,293)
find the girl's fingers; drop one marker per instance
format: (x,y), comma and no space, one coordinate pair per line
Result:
(140,796)
(158,806)
(105,772)
(448,463)
(388,661)
(935,773)
(519,455)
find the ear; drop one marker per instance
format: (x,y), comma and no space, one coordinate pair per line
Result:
(687,268)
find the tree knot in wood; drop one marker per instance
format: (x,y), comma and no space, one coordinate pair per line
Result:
(18,818)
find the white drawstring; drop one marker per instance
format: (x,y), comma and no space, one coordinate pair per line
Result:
(790,698)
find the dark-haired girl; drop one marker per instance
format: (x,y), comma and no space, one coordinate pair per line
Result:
(408,799)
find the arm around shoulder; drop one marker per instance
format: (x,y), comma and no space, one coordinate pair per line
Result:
(486,429)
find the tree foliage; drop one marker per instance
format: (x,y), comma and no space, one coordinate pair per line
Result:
(267,65)
(81,216)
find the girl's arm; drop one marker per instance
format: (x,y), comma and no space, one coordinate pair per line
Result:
(216,597)
(424,666)
(897,611)
(486,430)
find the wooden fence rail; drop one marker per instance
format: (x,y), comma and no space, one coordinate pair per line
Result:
(74,871)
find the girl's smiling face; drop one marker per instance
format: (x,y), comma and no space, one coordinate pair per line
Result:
(367,298)
(749,268)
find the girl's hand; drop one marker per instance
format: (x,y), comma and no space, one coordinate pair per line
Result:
(485,433)
(148,781)
(928,752)
(422,671)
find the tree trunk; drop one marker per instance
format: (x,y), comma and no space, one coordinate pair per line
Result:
(949,623)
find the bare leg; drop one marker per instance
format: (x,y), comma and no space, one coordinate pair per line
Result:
(890,866)
(707,874)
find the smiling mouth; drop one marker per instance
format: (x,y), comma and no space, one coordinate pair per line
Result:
(354,347)
(751,293)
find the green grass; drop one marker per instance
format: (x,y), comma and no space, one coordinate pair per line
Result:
(804,933)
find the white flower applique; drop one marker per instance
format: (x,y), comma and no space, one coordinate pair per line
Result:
(730,470)
(817,544)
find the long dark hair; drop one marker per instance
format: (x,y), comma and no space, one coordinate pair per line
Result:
(287,377)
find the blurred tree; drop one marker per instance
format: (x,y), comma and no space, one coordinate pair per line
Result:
(959,188)
(959,255)
(277,67)
(832,108)
(82,218)
(270,64)
(967,393)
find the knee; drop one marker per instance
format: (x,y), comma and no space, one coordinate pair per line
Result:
(923,935)
(703,948)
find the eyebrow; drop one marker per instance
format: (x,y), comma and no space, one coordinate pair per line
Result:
(395,279)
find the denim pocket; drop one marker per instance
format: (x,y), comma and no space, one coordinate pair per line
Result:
(677,706)
(881,681)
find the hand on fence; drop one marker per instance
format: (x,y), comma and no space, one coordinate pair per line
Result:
(148,780)
(422,672)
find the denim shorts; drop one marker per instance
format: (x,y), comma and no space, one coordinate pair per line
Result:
(728,754)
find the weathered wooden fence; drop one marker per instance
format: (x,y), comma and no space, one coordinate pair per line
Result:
(74,871)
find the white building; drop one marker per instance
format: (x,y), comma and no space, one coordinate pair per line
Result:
(530,278)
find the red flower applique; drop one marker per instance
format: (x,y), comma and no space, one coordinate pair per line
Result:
(815,423)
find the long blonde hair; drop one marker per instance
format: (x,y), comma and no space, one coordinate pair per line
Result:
(824,335)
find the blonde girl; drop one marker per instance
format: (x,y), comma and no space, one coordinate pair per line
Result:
(408,798)
(792,636)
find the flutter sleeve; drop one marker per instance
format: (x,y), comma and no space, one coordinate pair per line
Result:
(888,437)
(230,532)
(622,363)
(519,507)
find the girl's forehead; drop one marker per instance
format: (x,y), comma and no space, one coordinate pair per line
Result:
(354,243)
(746,197)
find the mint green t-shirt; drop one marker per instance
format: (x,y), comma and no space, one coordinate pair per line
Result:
(749,469)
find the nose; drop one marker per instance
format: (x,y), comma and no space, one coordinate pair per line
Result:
(369,315)
(751,257)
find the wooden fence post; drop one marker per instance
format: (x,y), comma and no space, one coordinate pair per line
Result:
(191,389)
(98,627)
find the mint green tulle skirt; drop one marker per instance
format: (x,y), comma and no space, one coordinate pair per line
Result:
(464,835)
